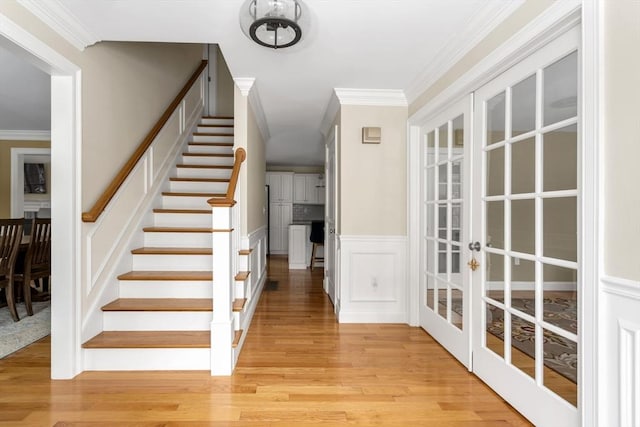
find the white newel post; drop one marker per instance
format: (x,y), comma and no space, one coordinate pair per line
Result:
(222,323)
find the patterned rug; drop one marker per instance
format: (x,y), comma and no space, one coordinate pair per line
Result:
(560,354)
(16,335)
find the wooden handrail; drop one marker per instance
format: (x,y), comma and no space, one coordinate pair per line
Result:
(228,199)
(102,202)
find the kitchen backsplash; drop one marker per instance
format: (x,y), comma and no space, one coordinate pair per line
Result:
(308,212)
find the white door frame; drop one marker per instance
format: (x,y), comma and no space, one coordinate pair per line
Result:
(65,205)
(557,19)
(331,253)
(18,157)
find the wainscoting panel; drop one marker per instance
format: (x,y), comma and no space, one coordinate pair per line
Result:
(373,286)
(620,353)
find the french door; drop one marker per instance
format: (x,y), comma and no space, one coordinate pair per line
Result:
(526,221)
(445,169)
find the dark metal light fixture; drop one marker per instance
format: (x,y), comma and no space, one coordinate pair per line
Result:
(272,23)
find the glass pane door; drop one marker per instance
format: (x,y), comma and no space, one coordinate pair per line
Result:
(528,212)
(445,226)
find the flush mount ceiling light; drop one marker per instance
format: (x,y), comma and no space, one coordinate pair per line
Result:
(272,23)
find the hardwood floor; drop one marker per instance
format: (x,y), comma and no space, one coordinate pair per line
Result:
(299,367)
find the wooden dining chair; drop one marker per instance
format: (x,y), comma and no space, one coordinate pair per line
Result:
(10,238)
(37,262)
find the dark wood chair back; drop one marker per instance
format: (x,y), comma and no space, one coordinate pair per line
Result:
(37,261)
(10,238)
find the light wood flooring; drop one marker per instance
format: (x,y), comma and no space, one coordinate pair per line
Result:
(298,368)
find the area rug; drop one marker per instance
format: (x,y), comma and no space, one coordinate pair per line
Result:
(560,354)
(16,335)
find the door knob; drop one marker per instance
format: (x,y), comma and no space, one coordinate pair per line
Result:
(475,246)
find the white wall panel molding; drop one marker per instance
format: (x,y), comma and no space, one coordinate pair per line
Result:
(57,16)
(624,288)
(373,278)
(485,21)
(371,97)
(25,135)
(629,373)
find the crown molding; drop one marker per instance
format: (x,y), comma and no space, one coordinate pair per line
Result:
(482,23)
(372,97)
(25,135)
(330,114)
(62,21)
(244,84)
(250,90)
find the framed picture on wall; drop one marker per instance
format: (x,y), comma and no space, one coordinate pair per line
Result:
(35,178)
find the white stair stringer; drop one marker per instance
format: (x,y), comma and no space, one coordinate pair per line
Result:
(181,222)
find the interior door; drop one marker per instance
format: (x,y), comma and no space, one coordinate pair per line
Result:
(527,200)
(330,247)
(445,229)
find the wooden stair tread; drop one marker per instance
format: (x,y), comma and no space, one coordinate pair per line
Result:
(183,211)
(205,166)
(160,304)
(199,179)
(242,275)
(167,275)
(211,144)
(150,339)
(245,252)
(172,251)
(238,304)
(236,338)
(207,155)
(177,230)
(180,194)
(212,134)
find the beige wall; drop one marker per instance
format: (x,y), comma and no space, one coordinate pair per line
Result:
(125,89)
(225,87)
(5,170)
(621,138)
(373,177)
(518,19)
(256,203)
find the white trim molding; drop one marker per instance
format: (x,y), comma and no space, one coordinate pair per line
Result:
(372,97)
(624,288)
(249,89)
(485,21)
(330,114)
(556,20)
(373,277)
(25,135)
(62,21)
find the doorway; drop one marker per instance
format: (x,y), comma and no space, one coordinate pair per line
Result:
(65,180)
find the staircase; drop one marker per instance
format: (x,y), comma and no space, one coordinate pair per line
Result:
(163,317)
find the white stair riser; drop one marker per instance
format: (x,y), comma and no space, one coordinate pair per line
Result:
(207,161)
(145,262)
(209,149)
(181,220)
(212,138)
(243,262)
(157,320)
(166,289)
(216,121)
(227,130)
(185,202)
(177,240)
(203,173)
(147,359)
(239,289)
(198,186)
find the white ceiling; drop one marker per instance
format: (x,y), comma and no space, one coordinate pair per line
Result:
(25,95)
(372,44)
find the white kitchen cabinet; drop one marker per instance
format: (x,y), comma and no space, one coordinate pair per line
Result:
(280,186)
(306,188)
(280,215)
